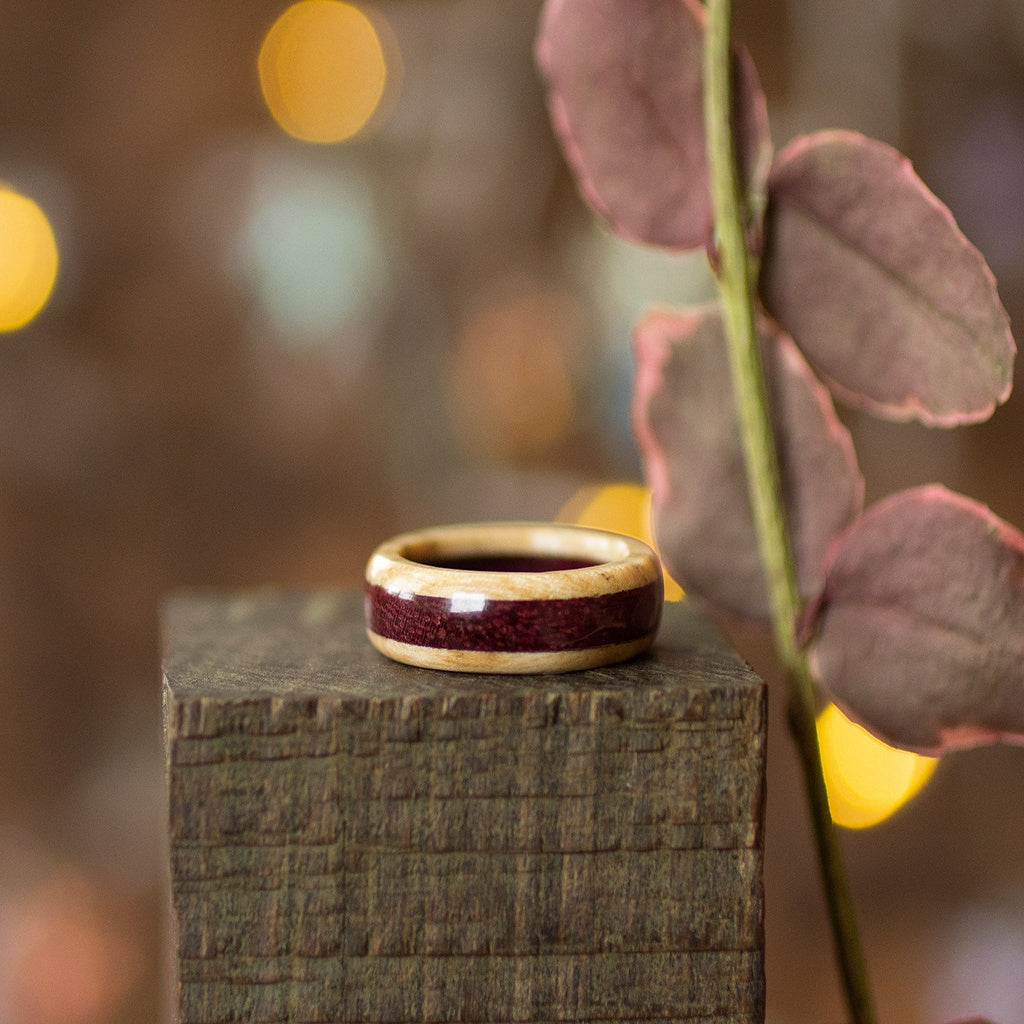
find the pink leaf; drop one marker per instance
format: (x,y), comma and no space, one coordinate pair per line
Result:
(921,625)
(686,427)
(869,273)
(625,97)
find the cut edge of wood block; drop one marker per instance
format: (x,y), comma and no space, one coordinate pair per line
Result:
(357,840)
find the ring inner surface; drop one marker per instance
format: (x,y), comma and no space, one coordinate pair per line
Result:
(500,562)
(534,552)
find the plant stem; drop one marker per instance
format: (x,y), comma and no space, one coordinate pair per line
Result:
(737,289)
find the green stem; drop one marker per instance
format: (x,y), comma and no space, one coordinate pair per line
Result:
(737,289)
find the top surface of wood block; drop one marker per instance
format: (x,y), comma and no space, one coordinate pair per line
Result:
(313,644)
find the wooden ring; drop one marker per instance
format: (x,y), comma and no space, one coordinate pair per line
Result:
(512,598)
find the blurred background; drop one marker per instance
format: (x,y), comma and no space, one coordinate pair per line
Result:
(252,323)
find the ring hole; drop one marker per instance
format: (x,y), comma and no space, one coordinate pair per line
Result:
(513,550)
(508,563)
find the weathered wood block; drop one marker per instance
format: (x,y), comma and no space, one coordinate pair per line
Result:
(357,840)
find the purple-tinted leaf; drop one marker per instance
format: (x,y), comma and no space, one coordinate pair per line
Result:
(869,273)
(921,625)
(686,427)
(625,95)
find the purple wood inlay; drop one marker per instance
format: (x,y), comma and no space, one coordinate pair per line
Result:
(559,624)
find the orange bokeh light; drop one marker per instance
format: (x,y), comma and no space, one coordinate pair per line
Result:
(67,957)
(512,386)
(323,70)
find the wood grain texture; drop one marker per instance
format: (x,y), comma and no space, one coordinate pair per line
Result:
(357,840)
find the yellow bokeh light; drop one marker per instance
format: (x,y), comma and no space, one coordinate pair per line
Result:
(867,780)
(322,70)
(28,259)
(622,508)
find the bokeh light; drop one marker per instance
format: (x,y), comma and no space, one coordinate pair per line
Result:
(512,385)
(622,508)
(323,70)
(66,957)
(624,281)
(976,957)
(867,780)
(310,255)
(28,259)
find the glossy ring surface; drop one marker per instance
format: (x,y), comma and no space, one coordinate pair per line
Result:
(512,598)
